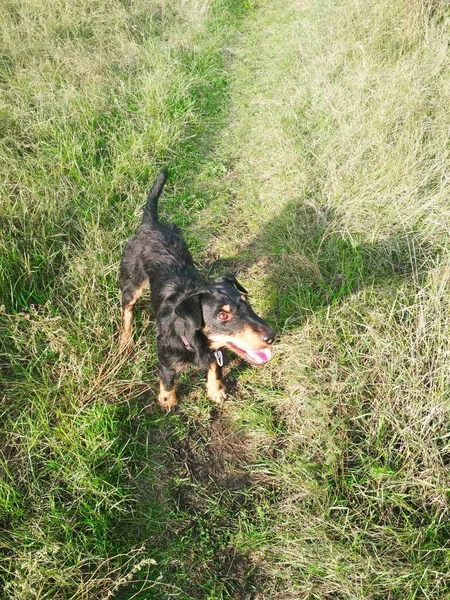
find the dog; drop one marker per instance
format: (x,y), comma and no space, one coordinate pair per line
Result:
(195,318)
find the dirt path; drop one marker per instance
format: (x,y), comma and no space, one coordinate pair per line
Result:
(257,171)
(257,152)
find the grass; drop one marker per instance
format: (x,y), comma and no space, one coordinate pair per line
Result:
(308,145)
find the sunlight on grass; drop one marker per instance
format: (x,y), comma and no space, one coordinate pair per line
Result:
(308,148)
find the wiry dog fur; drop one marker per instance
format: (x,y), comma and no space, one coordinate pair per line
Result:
(194,318)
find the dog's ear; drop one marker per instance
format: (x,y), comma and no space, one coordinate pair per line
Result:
(190,310)
(230,278)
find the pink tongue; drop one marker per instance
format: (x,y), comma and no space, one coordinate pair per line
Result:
(260,356)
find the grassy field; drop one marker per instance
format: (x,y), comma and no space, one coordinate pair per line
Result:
(308,143)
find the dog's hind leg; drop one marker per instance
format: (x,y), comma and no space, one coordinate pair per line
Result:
(130,295)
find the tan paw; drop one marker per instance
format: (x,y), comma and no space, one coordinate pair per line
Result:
(217,394)
(167,400)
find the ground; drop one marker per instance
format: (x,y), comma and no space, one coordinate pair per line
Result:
(308,149)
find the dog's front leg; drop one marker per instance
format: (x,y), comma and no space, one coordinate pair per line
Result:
(214,385)
(167,397)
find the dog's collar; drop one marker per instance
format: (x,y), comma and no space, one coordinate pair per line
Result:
(217,354)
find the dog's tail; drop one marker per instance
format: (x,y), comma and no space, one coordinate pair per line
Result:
(151,207)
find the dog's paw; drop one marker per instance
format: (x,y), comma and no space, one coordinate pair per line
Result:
(168,400)
(217,395)
(214,386)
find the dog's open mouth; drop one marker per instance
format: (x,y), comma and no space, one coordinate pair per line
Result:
(256,357)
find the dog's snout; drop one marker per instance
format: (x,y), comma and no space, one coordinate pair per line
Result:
(268,336)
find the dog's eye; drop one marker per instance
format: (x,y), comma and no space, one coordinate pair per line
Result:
(223,316)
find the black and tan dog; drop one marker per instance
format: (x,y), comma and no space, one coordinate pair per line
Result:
(195,319)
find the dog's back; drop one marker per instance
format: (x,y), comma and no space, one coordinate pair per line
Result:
(157,255)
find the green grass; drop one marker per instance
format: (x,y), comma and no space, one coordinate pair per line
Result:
(308,146)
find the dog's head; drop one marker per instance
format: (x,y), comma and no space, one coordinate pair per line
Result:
(222,311)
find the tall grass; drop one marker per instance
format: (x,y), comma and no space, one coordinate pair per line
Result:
(308,144)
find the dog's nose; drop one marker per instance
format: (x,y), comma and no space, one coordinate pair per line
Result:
(268,336)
